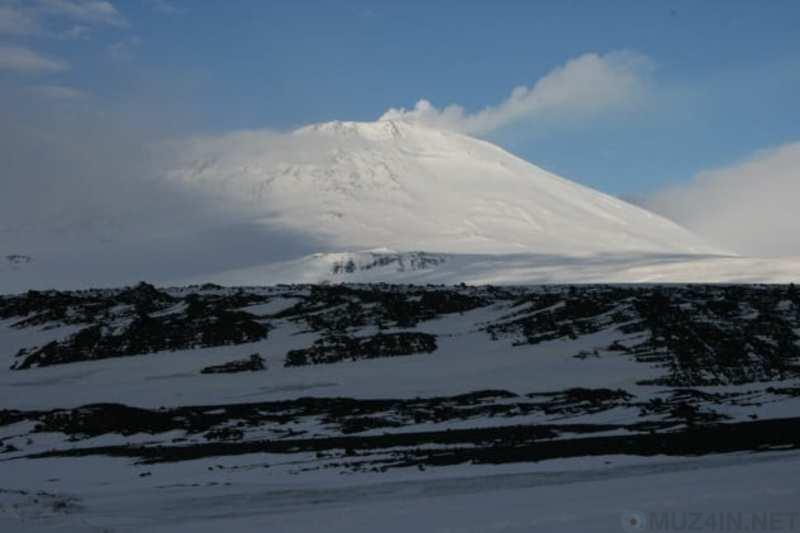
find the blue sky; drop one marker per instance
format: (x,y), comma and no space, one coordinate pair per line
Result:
(721,80)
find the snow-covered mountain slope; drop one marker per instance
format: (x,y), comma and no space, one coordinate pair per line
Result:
(387,266)
(432,206)
(360,185)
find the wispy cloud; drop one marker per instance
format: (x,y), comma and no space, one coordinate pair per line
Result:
(82,192)
(166,7)
(25,60)
(77,31)
(124,49)
(585,85)
(17,21)
(749,207)
(89,11)
(58,92)
(63,19)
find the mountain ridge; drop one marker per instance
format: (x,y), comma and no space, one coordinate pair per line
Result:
(395,184)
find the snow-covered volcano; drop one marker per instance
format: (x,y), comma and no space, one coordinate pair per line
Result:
(398,185)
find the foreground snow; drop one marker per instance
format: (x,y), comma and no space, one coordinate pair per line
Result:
(586,495)
(538,408)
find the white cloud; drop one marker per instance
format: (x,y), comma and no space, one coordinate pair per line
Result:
(89,11)
(21,59)
(124,50)
(81,191)
(584,85)
(16,21)
(750,207)
(65,19)
(165,7)
(77,31)
(58,92)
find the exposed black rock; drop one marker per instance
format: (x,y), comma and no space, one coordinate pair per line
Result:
(698,334)
(702,334)
(492,445)
(194,327)
(252,364)
(341,348)
(681,407)
(336,309)
(18,259)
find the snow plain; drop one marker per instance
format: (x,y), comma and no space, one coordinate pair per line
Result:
(302,492)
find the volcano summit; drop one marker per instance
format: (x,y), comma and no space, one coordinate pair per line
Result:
(404,186)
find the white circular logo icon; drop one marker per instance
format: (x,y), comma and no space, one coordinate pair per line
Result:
(633,521)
